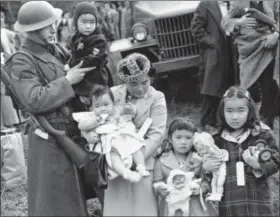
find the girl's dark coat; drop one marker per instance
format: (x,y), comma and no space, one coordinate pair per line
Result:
(82,49)
(254,198)
(53,183)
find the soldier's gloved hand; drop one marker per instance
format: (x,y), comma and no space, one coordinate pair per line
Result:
(76,73)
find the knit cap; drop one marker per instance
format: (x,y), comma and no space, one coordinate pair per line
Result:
(84,8)
(133,67)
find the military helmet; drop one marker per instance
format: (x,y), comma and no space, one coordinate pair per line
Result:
(34,15)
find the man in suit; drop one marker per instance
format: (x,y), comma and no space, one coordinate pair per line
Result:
(217,62)
(260,63)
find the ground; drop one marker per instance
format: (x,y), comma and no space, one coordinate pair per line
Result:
(13,203)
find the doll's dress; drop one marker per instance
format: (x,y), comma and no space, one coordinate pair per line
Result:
(120,136)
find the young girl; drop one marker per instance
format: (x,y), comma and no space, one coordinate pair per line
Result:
(115,134)
(177,154)
(87,45)
(246,191)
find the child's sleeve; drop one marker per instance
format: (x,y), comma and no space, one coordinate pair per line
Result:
(101,46)
(271,166)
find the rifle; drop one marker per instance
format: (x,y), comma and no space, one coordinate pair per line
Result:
(94,164)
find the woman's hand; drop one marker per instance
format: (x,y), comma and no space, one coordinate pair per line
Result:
(162,189)
(76,74)
(246,21)
(92,137)
(250,159)
(271,40)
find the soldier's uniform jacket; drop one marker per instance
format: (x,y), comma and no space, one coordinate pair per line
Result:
(51,175)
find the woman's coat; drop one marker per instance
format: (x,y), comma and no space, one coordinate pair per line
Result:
(123,198)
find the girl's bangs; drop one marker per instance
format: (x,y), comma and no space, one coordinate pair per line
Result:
(238,93)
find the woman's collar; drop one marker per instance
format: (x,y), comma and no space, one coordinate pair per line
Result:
(146,95)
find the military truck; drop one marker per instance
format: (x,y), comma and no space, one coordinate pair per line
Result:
(161,31)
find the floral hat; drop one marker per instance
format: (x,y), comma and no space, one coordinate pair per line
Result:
(132,67)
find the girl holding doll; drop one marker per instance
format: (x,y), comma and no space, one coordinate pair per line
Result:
(177,154)
(246,190)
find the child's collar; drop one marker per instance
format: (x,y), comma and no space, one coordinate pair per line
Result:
(236,139)
(245,134)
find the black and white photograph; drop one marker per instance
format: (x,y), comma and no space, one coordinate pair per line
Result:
(140,108)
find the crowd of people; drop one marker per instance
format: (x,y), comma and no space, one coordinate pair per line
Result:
(157,177)
(238,51)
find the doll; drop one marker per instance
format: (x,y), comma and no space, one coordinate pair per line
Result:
(117,137)
(206,148)
(196,163)
(261,151)
(180,185)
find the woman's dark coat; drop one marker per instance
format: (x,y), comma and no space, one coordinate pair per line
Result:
(215,55)
(53,181)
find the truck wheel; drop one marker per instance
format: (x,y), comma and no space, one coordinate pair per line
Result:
(107,76)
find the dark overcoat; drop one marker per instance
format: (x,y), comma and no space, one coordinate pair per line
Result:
(215,67)
(53,182)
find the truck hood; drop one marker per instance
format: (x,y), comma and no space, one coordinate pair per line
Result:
(163,9)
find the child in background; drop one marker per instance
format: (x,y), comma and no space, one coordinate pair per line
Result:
(87,45)
(177,155)
(246,191)
(119,138)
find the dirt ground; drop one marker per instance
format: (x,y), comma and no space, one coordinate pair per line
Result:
(14,202)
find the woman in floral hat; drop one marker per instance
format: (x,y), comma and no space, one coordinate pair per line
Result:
(123,198)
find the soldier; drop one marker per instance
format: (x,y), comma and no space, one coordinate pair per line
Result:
(53,182)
